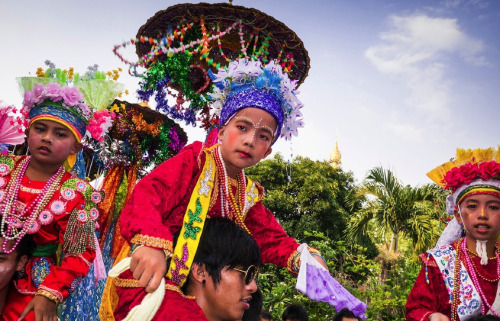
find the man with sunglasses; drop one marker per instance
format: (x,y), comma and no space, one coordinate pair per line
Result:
(220,283)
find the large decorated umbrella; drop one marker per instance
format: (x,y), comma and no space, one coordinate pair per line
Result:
(182,45)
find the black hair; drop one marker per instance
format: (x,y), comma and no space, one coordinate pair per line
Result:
(266,315)
(295,312)
(345,312)
(254,313)
(225,244)
(26,246)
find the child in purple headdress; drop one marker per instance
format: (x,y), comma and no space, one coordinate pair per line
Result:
(256,105)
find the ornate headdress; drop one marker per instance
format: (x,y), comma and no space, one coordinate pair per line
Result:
(81,107)
(247,83)
(471,172)
(77,102)
(215,59)
(474,171)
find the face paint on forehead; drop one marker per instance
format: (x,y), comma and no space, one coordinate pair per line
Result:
(255,125)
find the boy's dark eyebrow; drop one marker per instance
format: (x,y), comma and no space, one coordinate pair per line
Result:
(251,124)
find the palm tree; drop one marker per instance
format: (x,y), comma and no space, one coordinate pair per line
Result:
(396,210)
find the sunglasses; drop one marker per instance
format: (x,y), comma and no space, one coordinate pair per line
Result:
(250,274)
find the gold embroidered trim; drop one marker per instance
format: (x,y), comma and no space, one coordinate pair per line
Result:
(132,283)
(152,241)
(48,295)
(30,190)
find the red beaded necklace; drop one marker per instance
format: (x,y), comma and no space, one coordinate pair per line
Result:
(231,206)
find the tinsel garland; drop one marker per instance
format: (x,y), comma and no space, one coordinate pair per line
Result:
(173,72)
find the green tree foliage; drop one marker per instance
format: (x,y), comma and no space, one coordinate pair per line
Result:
(307,195)
(396,209)
(318,204)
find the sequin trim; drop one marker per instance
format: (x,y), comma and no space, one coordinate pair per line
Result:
(152,241)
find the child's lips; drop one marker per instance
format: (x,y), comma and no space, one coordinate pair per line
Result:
(44,149)
(482,227)
(244,155)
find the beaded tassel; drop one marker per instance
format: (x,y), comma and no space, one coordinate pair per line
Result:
(78,235)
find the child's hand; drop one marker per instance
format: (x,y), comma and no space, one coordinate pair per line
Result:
(44,309)
(438,317)
(321,261)
(148,265)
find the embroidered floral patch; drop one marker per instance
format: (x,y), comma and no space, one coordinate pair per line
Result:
(68,194)
(2,182)
(4,169)
(45,217)
(96,197)
(40,270)
(82,216)
(81,186)
(34,227)
(58,207)
(2,194)
(94,214)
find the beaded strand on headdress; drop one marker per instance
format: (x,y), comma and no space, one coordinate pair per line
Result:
(9,213)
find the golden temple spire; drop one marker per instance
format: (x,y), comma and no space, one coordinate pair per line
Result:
(335,157)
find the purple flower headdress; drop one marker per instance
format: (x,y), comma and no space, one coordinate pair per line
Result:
(249,83)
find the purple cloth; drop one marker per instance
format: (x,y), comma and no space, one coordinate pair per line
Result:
(321,286)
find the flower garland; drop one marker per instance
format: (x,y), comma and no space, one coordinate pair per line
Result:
(70,97)
(465,174)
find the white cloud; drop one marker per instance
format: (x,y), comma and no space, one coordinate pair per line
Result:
(417,48)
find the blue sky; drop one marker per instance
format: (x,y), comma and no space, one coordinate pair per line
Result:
(397,83)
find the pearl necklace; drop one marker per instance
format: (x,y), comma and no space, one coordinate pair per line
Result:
(9,215)
(475,281)
(229,205)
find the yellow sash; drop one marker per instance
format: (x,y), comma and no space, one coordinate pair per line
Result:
(193,223)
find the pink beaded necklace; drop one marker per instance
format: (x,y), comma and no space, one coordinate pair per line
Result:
(475,281)
(9,215)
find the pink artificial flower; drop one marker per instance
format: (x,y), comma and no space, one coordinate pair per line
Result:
(53,92)
(37,94)
(72,96)
(28,100)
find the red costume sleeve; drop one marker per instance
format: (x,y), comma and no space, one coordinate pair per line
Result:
(275,244)
(427,298)
(144,216)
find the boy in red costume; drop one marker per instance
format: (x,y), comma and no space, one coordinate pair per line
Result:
(460,276)
(11,264)
(39,197)
(258,105)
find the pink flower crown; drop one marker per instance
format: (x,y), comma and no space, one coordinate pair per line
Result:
(70,97)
